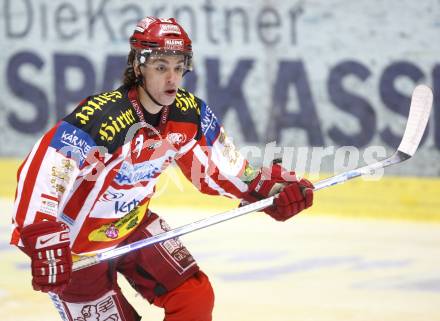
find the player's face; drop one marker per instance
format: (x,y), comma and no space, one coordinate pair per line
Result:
(163,75)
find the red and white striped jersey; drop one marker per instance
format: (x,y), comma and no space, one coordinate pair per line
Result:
(96,169)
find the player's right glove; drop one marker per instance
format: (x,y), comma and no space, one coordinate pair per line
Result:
(47,244)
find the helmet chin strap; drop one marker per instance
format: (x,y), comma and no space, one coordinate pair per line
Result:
(141,82)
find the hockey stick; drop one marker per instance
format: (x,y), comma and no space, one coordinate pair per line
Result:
(421,103)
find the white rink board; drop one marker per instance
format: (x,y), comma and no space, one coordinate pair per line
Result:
(311,268)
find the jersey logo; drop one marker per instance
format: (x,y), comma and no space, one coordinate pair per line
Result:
(95,104)
(176,138)
(112,127)
(186,101)
(130,174)
(111,196)
(209,124)
(72,142)
(120,228)
(44,241)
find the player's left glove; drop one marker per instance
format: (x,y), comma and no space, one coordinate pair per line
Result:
(293,195)
(48,245)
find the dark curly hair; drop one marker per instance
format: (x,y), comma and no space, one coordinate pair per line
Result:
(129,74)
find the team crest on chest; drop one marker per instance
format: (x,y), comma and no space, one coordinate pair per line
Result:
(176,138)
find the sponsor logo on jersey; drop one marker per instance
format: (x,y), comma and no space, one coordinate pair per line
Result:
(130,174)
(121,206)
(120,228)
(209,124)
(125,207)
(95,104)
(72,142)
(60,176)
(176,138)
(115,203)
(174,44)
(49,205)
(186,101)
(115,124)
(112,232)
(229,150)
(110,196)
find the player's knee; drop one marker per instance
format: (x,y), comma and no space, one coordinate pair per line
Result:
(192,301)
(200,297)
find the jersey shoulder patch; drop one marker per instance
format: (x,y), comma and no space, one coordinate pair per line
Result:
(72,142)
(93,107)
(106,117)
(186,107)
(209,124)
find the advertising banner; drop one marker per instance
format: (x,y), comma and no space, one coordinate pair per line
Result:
(301,78)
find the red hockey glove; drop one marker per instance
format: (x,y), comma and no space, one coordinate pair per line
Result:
(294,196)
(47,244)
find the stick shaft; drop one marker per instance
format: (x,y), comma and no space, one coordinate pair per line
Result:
(396,158)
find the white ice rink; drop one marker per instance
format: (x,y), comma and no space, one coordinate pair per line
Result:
(316,268)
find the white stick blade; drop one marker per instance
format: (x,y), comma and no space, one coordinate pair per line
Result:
(421,104)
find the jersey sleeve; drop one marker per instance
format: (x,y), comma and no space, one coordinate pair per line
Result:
(211,161)
(47,174)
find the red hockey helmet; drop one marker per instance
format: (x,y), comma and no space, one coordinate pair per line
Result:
(161,37)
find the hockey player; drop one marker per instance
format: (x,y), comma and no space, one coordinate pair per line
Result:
(86,185)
